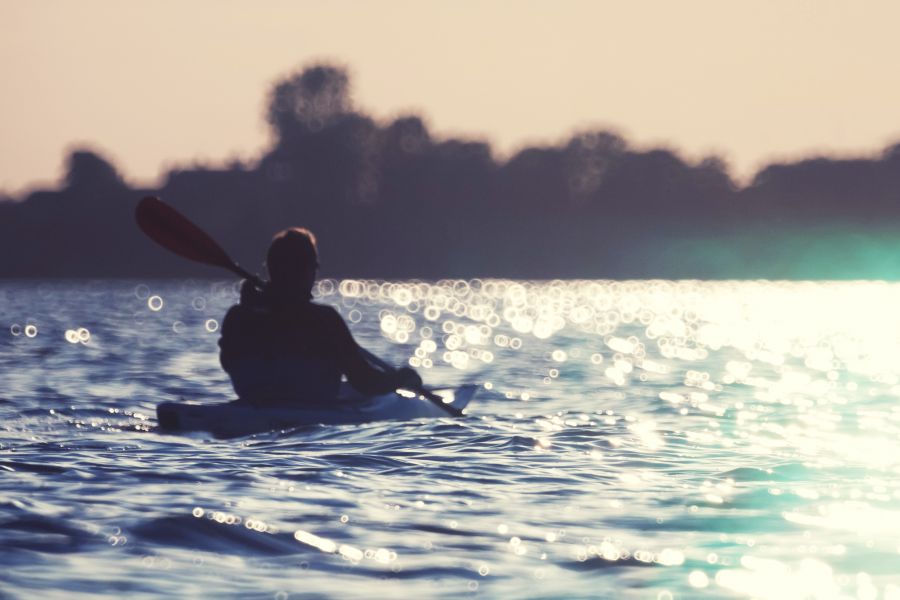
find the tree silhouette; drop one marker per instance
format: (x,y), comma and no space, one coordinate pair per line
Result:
(308,101)
(88,170)
(392,199)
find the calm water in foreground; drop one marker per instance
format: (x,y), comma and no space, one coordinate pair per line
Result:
(631,439)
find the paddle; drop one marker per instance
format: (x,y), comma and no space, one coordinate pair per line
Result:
(174,232)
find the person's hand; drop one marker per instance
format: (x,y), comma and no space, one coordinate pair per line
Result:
(408,379)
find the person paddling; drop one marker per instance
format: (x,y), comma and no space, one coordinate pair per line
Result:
(282,349)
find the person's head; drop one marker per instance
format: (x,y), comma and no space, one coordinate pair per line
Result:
(292,260)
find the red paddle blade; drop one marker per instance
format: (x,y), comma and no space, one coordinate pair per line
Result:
(173,231)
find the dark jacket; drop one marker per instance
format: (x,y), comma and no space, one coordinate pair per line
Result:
(294,354)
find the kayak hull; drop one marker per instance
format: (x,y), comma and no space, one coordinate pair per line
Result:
(238,418)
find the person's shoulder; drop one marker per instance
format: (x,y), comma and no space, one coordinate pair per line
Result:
(241,310)
(324,311)
(234,311)
(234,316)
(328,316)
(242,313)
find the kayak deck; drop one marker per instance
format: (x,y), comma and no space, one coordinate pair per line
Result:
(238,418)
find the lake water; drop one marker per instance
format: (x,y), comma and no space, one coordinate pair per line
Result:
(631,439)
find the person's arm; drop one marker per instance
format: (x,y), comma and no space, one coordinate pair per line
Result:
(362,375)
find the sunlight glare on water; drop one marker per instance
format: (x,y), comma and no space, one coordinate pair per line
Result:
(647,439)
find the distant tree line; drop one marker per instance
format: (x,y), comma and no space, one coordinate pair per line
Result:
(392,200)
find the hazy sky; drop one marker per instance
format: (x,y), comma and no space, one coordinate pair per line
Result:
(152,84)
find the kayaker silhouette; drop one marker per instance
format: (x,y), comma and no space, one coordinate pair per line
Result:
(282,349)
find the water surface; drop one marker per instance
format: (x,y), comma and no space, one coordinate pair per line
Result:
(647,439)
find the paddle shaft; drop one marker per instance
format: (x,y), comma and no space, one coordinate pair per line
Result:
(175,232)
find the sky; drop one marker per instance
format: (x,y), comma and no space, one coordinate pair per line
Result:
(156,84)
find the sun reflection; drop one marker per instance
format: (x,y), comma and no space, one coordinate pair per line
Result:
(655,330)
(857,517)
(774,579)
(311,539)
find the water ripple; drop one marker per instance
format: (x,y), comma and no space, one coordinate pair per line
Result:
(631,439)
